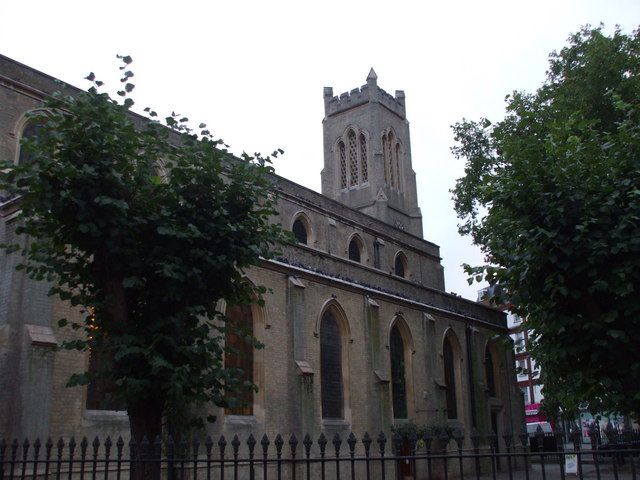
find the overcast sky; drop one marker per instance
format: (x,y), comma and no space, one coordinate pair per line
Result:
(254,70)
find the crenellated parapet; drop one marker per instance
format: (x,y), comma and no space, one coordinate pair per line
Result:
(370,92)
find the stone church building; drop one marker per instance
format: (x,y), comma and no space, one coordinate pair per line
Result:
(359,333)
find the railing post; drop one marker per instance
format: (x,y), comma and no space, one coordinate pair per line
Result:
(576,439)
(208,446)
(508,439)
(48,447)
(458,436)
(524,440)
(264,443)
(541,450)
(337,443)
(444,438)
(559,436)
(396,443)
(492,439)
(251,445)
(222,445)
(235,446)
(594,437)
(413,441)
(322,443)
(382,441)
(307,442)
(428,439)
(279,442)
(475,443)
(293,445)
(351,441)
(94,467)
(366,441)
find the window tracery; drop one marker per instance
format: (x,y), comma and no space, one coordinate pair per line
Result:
(352,158)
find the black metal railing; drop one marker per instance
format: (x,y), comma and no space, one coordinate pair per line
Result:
(441,457)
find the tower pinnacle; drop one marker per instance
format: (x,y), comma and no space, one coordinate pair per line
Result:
(372,75)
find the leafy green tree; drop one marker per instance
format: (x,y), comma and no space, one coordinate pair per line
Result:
(144,226)
(551,194)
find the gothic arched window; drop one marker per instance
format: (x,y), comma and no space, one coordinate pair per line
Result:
(343,165)
(239,355)
(398,377)
(30,130)
(355,248)
(489,373)
(364,170)
(331,367)
(300,231)
(400,266)
(450,378)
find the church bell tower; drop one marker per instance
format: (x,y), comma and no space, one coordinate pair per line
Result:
(367,155)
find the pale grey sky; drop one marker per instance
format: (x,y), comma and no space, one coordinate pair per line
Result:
(254,70)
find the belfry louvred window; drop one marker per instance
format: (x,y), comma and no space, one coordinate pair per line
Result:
(364,169)
(392,152)
(343,165)
(352,159)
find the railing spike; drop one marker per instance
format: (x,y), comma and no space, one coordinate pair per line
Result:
(307,442)
(251,443)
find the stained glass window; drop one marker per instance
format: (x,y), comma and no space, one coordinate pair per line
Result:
(398,382)
(331,367)
(240,355)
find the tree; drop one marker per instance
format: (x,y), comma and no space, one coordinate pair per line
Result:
(551,194)
(144,227)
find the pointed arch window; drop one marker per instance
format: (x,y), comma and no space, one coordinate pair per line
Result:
(239,355)
(400,265)
(30,130)
(450,379)
(300,231)
(489,372)
(364,169)
(398,374)
(355,249)
(331,367)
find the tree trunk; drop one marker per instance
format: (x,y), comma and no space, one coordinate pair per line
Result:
(145,420)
